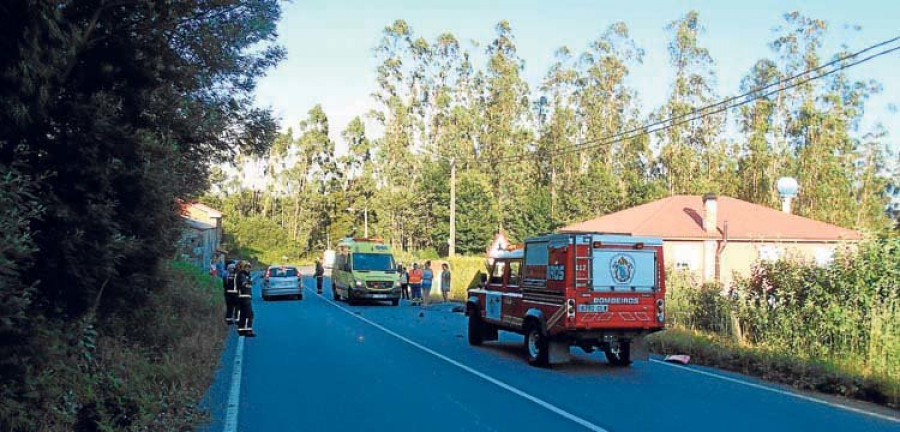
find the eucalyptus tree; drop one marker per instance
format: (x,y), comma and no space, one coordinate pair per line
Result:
(506,110)
(612,169)
(691,153)
(759,164)
(819,121)
(558,129)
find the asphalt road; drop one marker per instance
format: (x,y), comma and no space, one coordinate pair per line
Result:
(323,366)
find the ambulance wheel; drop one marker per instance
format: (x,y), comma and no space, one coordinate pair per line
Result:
(537,346)
(618,355)
(476,331)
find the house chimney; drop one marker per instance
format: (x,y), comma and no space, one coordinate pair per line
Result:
(787,188)
(710,213)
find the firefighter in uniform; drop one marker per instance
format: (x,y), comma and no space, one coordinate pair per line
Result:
(245,298)
(320,275)
(231,294)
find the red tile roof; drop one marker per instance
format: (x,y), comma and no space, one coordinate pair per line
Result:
(681,216)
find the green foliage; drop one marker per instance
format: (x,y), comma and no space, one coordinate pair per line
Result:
(141,370)
(696,306)
(262,240)
(845,316)
(466,273)
(108,115)
(847,313)
(475,212)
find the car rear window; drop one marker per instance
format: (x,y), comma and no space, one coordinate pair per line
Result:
(282,272)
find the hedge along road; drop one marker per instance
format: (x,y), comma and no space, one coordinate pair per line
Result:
(319,366)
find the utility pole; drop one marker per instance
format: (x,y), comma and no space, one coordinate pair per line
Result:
(452,241)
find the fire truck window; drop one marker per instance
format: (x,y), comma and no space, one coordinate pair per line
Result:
(497,274)
(514,272)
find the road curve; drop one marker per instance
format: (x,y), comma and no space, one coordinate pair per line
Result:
(324,366)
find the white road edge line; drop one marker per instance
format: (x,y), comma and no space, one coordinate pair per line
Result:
(588,425)
(781,392)
(234,395)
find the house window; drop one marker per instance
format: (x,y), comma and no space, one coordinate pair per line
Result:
(824,256)
(685,258)
(770,253)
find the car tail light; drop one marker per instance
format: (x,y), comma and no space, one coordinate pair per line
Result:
(570,308)
(661,310)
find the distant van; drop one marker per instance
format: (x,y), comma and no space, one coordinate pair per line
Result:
(364,269)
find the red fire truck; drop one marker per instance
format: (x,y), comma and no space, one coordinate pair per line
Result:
(592,290)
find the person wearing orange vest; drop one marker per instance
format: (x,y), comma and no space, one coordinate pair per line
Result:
(415,283)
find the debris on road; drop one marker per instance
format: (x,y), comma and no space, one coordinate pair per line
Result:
(678,358)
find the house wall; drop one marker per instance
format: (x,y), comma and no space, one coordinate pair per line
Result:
(202,216)
(739,257)
(197,247)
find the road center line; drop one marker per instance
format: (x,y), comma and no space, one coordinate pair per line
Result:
(234,395)
(547,405)
(781,392)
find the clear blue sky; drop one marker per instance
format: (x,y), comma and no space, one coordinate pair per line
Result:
(330,59)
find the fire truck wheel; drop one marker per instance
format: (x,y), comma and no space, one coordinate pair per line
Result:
(337,297)
(619,354)
(537,346)
(476,331)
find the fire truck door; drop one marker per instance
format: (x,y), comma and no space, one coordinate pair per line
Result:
(493,306)
(493,298)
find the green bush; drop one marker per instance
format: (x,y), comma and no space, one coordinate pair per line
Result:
(847,313)
(844,317)
(466,271)
(129,371)
(263,240)
(694,306)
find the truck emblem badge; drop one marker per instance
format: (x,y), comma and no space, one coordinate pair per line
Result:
(621,267)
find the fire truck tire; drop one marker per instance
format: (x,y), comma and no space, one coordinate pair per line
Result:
(337,297)
(395,302)
(621,357)
(537,346)
(476,328)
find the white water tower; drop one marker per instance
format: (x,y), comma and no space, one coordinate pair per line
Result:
(787,188)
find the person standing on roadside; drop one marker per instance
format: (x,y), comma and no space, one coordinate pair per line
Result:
(220,266)
(404,282)
(445,281)
(320,275)
(231,294)
(427,281)
(245,295)
(415,284)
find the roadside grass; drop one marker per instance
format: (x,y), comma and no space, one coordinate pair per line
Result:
(144,370)
(776,366)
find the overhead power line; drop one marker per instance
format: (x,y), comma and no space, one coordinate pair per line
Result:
(718,107)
